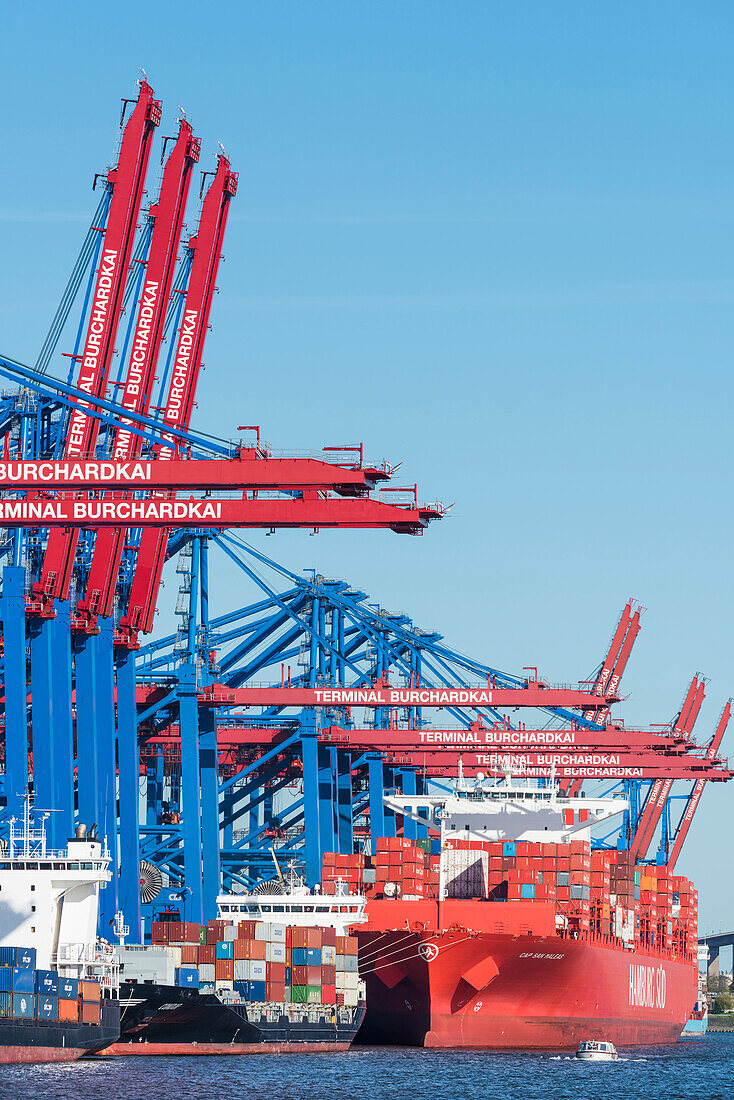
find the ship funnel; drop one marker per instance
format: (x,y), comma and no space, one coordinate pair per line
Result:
(93,832)
(80,832)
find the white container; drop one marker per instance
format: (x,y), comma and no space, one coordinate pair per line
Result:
(207,972)
(328,956)
(275,952)
(263,931)
(467,873)
(242,970)
(277,933)
(258,970)
(230,933)
(351,998)
(224,985)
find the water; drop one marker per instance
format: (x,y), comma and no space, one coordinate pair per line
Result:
(702,1068)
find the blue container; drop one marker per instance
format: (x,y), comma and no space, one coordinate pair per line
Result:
(242,989)
(509,848)
(24,1006)
(225,951)
(6,1005)
(257,991)
(299,956)
(6,978)
(47,1008)
(25,957)
(23,980)
(47,981)
(435,847)
(313,956)
(288,975)
(68,989)
(527,890)
(187,977)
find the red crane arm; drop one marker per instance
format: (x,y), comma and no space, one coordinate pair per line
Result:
(661,788)
(695,797)
(207,246)
(127,181)
(168,213)
(611,671)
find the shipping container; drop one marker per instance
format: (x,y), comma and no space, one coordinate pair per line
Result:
(47,981)
(24,1006)
(91,1012)
(47,1007)
(68,1009)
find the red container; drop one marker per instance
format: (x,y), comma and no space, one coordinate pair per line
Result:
(207,953)
(246,930)
(328,975)
(328,937)
(89,990)
(276,972)
(91,1012)
(299,938)
(159,932)
(224,971)
(275,991)
(313,975)
(190,954)
(328,994)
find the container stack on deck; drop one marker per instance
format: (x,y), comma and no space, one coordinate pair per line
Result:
(260,961)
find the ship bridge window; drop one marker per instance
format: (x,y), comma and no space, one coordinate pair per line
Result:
(308,908)
(87,866)
(58,866)
(267,908)
(322,909)
(46,867)
(297,909)
(279,909)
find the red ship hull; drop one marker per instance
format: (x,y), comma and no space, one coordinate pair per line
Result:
(453,987)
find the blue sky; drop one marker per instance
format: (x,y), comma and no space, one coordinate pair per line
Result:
(492,241)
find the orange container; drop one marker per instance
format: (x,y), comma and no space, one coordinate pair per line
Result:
(224,971)
(69,1011)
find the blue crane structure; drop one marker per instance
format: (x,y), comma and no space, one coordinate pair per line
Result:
(153,740)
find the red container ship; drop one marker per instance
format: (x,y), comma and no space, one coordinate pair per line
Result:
(515,933)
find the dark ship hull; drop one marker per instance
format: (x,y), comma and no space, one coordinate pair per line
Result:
(159,1019)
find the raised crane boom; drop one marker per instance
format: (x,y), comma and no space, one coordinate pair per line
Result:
(127,180)
(168,214)
(611,671)
(661,788)
(207,249)
(695,796)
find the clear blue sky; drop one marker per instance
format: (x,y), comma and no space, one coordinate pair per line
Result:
(493,241)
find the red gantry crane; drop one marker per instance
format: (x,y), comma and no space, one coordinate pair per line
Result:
(207,248)
(661,788)
(127,180)
(168,214)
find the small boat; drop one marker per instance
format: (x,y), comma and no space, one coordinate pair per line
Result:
(594,1050)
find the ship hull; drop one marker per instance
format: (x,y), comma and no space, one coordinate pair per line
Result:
(52,1041)
(164,1020)
(465,989)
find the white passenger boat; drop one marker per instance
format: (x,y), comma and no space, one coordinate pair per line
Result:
(594,1050)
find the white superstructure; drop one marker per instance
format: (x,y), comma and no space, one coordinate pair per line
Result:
(507,808)
(296,905)
(49,899)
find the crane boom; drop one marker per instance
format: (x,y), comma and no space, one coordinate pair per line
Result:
(207,249)
(695,796)
(127,180)
(168,214)
(661,788)
(611,670)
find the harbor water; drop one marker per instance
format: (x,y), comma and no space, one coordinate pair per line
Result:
(702,1068)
